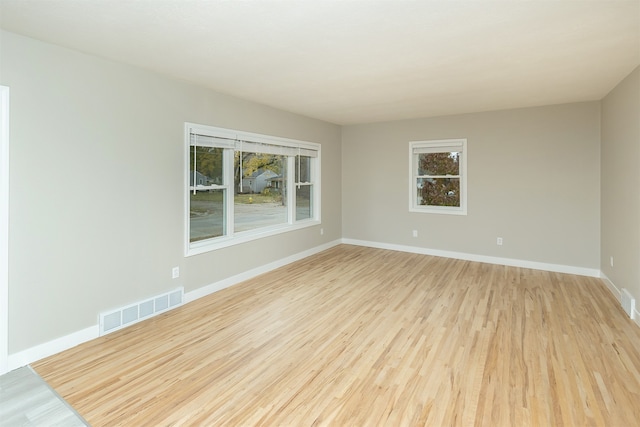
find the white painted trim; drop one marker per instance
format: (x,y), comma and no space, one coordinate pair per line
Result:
(591,272)
(232,141)
(4,229)
(30,355)
(617,293)
(233,280)
(47,349)
(245,236)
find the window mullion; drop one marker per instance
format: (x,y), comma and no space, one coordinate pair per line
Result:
(195,163)
(438,176)
(315,188)
(291,189)
(229,193)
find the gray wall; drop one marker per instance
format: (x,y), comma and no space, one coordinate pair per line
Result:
(96,192)
(620,209)
(533,179)
(97,185)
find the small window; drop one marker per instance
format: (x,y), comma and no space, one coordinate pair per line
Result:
(438,182)
(243,186)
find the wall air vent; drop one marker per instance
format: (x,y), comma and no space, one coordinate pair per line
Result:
(128,315)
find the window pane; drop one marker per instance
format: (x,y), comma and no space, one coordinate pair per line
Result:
(303,169)
(260,190)
(207,164)
(447,163)
(304,209)
(438,192)
(207,214)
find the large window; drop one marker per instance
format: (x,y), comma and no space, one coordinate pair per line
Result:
(242,186)
(438,181)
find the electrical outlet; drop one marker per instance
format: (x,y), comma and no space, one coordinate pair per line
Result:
(499,241)
(611,261)
(175,272)
(415,233)
(321,231)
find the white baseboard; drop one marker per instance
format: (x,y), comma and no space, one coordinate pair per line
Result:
(233,280)
(47,349)
(617,294)
(581,271)
(30,355)
(557,268)
(33,354)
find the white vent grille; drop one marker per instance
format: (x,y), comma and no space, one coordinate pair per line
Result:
(117,319)
(628,302)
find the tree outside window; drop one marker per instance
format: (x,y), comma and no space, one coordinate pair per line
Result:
(438,176)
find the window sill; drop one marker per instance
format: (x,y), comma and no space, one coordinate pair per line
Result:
(244,237)
(439,210)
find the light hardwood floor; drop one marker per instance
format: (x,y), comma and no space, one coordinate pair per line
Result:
(365,337)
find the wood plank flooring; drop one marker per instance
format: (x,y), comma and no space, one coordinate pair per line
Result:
(366,337)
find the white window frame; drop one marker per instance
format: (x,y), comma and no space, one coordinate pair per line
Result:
(230,140)
(438,146)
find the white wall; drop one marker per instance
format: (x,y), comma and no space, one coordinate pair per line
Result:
(533,179)
(96,195)
(621,184)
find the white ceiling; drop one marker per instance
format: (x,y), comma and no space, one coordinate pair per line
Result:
(358,61)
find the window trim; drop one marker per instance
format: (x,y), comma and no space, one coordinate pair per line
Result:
(235,136)
(438,146)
